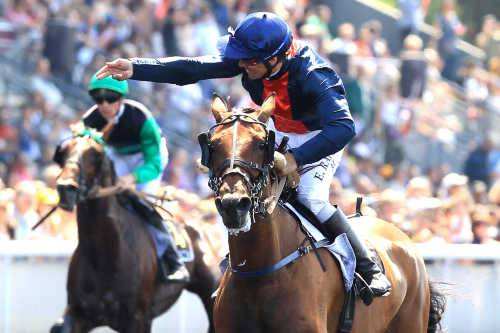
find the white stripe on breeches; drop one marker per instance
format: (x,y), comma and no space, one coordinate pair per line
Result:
(126,164)
(314,187)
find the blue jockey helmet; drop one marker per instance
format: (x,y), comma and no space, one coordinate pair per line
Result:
(260,35)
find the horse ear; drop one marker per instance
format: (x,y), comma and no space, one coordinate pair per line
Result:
(219,108)
(267,108)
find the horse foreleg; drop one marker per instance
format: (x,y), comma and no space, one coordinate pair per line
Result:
(203,283)
(68,324)
(138,324)
(204,288)
(61,325)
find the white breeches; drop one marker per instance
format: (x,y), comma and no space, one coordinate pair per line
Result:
(314,187)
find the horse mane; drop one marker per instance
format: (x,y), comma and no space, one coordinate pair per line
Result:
(108,169)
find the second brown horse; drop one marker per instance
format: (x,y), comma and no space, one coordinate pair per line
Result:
(112,278)
(300,297)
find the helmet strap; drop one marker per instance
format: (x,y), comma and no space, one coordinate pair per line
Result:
(270,67)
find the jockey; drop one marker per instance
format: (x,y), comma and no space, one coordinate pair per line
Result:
(135,144)
(311,109)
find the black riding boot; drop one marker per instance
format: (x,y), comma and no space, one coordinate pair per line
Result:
(366,267)
(170,267)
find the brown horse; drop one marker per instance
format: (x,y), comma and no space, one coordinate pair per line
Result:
(112,274)
(298,297)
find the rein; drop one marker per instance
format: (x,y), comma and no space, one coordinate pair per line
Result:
(101,192)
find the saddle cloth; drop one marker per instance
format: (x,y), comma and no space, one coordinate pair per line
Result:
(181,240)
(162,230)
(340,249)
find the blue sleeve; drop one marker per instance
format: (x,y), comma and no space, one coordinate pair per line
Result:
(323,89)
(183,70)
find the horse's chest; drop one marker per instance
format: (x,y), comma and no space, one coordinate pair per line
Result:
(101,296)
(259,310)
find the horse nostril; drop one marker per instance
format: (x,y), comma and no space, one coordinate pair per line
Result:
(244,204)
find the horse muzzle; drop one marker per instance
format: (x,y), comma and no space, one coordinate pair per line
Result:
(68,196)
(235,210)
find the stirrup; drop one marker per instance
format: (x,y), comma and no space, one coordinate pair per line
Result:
(181,275)
(363,289)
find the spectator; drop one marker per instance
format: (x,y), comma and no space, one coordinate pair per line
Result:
(50,174)
(41,83)
(451,29)
(6,218)
(21,170)
(494,194)
(378,45)
(488,39)
(453,184)
(24,213)
(178,170)
(390,206)
(413,68)
(344,43)
(419,187)
(479,192)
(363,43)
(390,113)
(459,221)
(477,166)
(484,227)
(412,16)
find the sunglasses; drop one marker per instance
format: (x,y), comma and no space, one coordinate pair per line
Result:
(250,62)
(107,97)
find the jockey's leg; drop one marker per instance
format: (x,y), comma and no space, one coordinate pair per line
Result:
(170,266)
(368,268)
(313,192)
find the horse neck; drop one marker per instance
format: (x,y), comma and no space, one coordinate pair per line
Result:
(270,239)
(99,227)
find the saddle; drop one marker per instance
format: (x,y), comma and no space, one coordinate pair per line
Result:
(150,215)
(360,288)
(144,209)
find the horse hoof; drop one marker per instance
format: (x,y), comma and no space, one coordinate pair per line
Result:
(56,328)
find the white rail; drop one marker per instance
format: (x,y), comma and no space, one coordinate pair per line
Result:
(448,253)
(59,248)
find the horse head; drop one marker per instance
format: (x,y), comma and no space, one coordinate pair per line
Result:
(239,152)
(84,165)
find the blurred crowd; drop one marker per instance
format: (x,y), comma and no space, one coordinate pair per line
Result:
(426,156)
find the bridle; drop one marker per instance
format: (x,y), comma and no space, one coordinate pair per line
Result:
(86,191)
(238,166)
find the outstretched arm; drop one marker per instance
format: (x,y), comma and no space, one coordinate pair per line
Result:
(176,70)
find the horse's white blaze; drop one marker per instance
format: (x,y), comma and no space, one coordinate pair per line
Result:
(235,142)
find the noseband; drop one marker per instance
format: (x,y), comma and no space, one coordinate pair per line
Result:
(85,191)
(238,166)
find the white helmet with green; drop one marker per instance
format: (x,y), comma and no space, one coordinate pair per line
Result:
(109,83)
